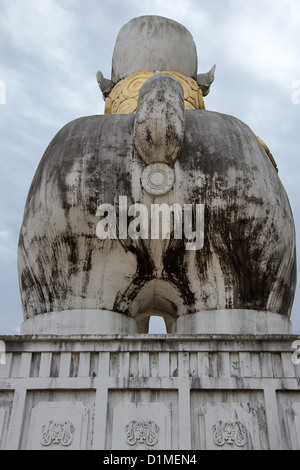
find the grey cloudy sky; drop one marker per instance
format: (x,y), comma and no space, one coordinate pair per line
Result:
(50,51)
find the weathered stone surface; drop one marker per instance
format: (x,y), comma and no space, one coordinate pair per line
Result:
(151,43)
(159,120)
(248,258)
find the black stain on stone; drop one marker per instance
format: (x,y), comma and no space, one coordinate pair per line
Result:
(175,270)
(143,274)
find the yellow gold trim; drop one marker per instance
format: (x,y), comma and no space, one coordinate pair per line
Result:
(268,152)
(124,96)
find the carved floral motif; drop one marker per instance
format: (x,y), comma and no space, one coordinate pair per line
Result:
(231,432)
(157,178)
(140,432)
(57,432)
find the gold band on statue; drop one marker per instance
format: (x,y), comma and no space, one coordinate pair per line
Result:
(268,152)
(124,96)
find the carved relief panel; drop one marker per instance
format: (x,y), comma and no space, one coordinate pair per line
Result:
(231,426)
(58,426)
(139,426)
(57,432)
(229,420)
(293,419)
(229,432)
(140,432)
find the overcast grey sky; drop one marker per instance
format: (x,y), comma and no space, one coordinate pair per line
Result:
(50,51)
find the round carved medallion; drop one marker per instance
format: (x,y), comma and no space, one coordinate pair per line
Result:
(158,178)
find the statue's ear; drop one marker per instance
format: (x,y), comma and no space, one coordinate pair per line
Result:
(205,80)
(105,85)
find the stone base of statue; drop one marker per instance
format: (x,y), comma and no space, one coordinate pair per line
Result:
(150,392)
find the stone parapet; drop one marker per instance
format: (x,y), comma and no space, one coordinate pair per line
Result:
(174,392)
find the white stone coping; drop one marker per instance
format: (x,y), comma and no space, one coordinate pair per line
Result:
(235,321)
(149,343)
(97,322)
(79,322)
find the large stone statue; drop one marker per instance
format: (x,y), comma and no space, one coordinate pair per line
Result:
(157,207)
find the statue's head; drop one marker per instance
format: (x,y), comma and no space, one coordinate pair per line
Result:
(153,43)
(148,45)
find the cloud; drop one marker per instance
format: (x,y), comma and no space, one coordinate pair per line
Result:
(266,35)
(34,25)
